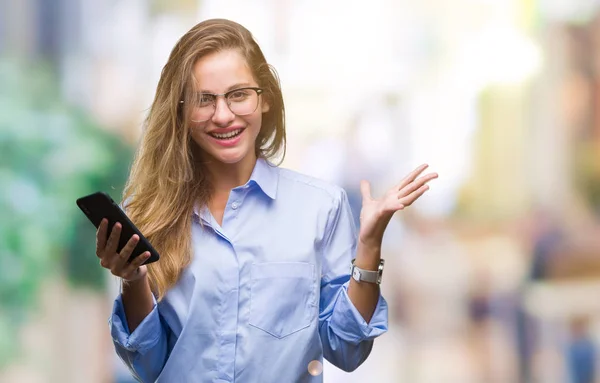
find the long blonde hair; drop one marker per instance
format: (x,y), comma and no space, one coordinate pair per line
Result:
(167,177)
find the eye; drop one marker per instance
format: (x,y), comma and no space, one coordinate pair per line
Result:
(205,99)
(239,95)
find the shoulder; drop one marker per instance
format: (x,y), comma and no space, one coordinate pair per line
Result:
(298,184)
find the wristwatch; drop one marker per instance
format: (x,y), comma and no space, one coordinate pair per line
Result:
(369,276)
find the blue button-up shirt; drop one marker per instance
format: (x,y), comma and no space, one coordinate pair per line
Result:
(265,297)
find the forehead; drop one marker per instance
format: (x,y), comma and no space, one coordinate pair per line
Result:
(219,71)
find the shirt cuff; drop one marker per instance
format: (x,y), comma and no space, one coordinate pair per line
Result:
(143,338)
(349,325)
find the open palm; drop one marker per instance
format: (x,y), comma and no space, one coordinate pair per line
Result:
(376,213)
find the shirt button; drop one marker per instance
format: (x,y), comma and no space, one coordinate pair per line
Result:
(235,205)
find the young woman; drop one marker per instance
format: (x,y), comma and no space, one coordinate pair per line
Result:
(253,284)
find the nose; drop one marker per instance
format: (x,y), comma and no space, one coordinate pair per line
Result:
(223,115)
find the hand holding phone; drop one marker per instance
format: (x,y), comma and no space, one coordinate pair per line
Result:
(120,245)
(118,262)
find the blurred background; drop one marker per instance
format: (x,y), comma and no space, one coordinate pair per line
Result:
(492,276)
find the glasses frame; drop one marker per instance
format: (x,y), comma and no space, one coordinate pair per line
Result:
(258,91)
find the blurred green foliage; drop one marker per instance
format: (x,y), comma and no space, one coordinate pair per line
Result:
(586,168)
(50,154)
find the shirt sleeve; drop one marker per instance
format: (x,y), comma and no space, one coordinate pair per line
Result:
(347,338)
(145,350)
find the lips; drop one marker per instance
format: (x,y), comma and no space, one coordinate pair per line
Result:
(226,137)
(226,134)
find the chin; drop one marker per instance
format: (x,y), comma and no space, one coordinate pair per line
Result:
(229,160)
(230,157)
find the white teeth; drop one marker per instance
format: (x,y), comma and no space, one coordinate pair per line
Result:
(233,133)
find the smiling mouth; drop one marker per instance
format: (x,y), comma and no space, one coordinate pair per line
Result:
(226,136)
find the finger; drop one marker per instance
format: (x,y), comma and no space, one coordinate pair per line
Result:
(416,184)
(395,206)
(412,197)
(131,268)
(101,236)
(126,251)
(411,176)
(104,262)
(113,239)
(365,190)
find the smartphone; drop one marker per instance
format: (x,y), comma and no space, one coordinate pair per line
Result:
(100,205)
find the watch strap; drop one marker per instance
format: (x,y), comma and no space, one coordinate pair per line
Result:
(370,276)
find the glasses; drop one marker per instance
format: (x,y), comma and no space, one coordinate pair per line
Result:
(241,101)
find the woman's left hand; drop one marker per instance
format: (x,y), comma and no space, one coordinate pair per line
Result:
(376,213)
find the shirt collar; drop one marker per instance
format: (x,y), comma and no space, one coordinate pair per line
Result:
(266,176)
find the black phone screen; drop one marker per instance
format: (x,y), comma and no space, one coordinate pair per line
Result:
(100,205)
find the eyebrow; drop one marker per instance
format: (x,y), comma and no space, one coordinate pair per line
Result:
(235,86)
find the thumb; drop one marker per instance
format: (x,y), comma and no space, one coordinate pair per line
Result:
(365,190)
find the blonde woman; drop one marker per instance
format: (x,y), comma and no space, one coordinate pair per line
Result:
(254,281)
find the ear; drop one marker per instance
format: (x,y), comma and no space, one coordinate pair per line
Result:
(264,106)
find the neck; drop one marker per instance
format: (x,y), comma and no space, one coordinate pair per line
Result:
(225,177)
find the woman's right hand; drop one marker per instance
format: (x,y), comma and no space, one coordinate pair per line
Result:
(117,263)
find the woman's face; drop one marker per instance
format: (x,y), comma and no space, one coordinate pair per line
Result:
(224,135)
